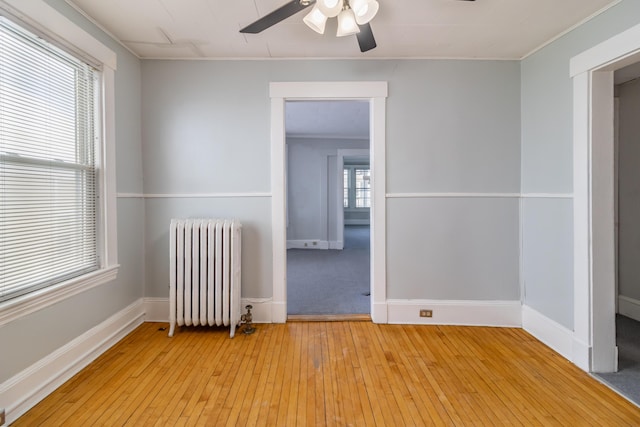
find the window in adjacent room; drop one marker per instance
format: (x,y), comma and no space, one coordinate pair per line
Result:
(49,132)
(357,187)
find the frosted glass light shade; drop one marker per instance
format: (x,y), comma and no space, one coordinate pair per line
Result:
(329,8)
(316,20)
(347,23)
(364,10)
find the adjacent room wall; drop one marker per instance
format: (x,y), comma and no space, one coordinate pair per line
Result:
(547,120)
(311,190)
(32,337)
(629,192)
(453,129)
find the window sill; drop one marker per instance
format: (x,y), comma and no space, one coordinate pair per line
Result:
(26,304)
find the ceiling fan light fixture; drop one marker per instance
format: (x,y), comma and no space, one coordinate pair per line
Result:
(364,10)
(347,24)
(330,8)
(316,20)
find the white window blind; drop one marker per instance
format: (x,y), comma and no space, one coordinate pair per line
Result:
(48,224)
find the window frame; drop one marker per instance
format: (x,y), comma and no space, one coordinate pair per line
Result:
(351,186)
(48,23)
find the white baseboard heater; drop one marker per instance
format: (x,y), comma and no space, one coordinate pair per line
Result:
(204,268)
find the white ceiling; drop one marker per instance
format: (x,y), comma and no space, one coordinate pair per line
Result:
(496,29)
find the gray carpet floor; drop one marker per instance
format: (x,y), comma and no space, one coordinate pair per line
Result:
(627,379)
(331,281)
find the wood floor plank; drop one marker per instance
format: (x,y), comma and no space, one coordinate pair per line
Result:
(267,395)
(379,406)
(332,373)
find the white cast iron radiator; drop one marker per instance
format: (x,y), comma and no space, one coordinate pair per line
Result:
(204,287)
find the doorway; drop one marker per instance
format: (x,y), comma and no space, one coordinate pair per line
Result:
(627,232)
(594,346)
(373,92)
(328,208)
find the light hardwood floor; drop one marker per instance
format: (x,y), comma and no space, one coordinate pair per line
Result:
(332,373)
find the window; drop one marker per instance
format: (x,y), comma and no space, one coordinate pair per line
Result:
(57,176)
(363,191)
(49,212)
(357,187)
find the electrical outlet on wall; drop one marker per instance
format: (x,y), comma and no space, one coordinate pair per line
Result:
(426,313)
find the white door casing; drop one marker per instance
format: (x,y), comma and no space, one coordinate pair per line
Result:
(594,347)
(376,94)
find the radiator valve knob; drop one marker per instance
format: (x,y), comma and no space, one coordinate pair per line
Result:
(247,320)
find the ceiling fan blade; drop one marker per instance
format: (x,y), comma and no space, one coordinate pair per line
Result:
(365,38)
(280,14)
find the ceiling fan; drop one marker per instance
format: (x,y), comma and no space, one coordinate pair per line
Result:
(353,18)
(322,10)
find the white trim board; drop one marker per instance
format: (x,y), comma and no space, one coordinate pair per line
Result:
(547,195)
(451,195)
(189,195)
(308,244)
(593,230)
(629,307)
(610,55)
(479,195)
(551,333)
(451,312)
(21,306)
(375,93)
(24,390)
(336,244)
(156,309)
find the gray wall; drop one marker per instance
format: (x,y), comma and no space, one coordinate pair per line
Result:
(452,126)
(33,337)
(453,249)
(547,161)
(311,191)
(629,189)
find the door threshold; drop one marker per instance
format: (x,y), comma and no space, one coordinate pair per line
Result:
(329,318)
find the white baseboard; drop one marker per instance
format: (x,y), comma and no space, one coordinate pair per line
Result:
(629,307)
(379,313)
(24,390)
(581,356)
(467,313)
(157,309)
(336,244)
(261,309)
(551,333)
(307,244)
(278,312)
